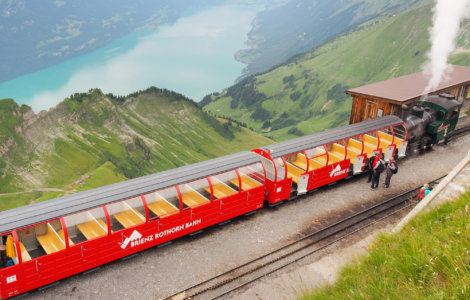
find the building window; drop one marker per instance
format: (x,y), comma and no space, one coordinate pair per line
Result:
(380,112)
(461,93)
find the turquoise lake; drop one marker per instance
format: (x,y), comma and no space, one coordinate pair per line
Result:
(194,57)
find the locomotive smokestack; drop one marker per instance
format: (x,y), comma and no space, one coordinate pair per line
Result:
(404,112)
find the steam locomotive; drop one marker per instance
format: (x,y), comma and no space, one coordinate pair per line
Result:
(432,121)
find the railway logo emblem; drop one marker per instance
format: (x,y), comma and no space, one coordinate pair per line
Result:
(337,171)
(134,236)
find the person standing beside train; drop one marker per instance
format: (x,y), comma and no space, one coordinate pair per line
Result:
(376,171)
(391,169)
(372,162)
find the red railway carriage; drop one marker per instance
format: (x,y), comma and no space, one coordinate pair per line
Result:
(61,237)
(296,166)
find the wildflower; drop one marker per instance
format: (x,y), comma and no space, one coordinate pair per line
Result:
(447,218)
(437,222)
(457,232)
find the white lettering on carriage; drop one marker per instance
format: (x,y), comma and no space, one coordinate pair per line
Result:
(11,279)
(136,238)
(337,171)
(177,228)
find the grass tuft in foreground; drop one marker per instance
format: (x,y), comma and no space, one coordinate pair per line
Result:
(428,259)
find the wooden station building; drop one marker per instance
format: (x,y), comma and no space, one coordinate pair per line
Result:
(387,97)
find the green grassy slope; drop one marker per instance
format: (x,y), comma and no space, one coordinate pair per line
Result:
(311,23)
(307,94)
(92,139)
(428,259)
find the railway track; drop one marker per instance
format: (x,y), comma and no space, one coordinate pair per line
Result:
(247,273)
(462,131)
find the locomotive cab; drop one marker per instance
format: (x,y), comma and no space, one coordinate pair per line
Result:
(447,110)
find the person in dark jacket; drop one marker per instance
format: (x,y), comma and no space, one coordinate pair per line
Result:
(390,170)
(377,170)
(372,161)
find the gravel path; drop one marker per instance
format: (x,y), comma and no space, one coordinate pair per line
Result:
(159,272)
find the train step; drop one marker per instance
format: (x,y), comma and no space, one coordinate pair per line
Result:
(196,232)
(48,286)
(165,244)
(224,222)
(91,271)
(250,213)
(129,257)
(275,204)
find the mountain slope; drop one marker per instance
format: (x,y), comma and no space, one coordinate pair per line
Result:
(307,94)
(310,23)
(116,137)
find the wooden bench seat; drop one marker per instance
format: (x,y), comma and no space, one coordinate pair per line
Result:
(334,158)
(315,164)
(300,161)
(163,208)
(50,241)
(370,141)
(321,159)
(247,182)
(24,253)
(294,172)
(129,218)
(92,229)
(369,148)
(221,190)
(387,140)
(354,145)
(193,198)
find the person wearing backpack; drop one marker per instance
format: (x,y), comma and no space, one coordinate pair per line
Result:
(377,170)
(391,169)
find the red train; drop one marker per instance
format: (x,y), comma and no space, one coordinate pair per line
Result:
(51,240)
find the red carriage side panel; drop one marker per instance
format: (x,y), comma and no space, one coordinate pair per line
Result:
(278,191)
(328,174)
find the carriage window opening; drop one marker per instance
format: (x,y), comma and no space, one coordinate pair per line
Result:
(336,152)
(440,115)
(251,176)
(86,225)
(163,203)
(455,112)
(400,133)
(8,253)
(125,214)
(223,185)
(195,193)
(281,169)
(317,155)
(42,239)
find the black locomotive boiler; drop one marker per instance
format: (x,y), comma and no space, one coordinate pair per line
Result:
(431,121)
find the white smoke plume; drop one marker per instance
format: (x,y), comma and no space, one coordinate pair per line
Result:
(448,15)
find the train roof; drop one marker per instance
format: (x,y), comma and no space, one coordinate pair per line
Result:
(445,101)
(329,136)
(54,208)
